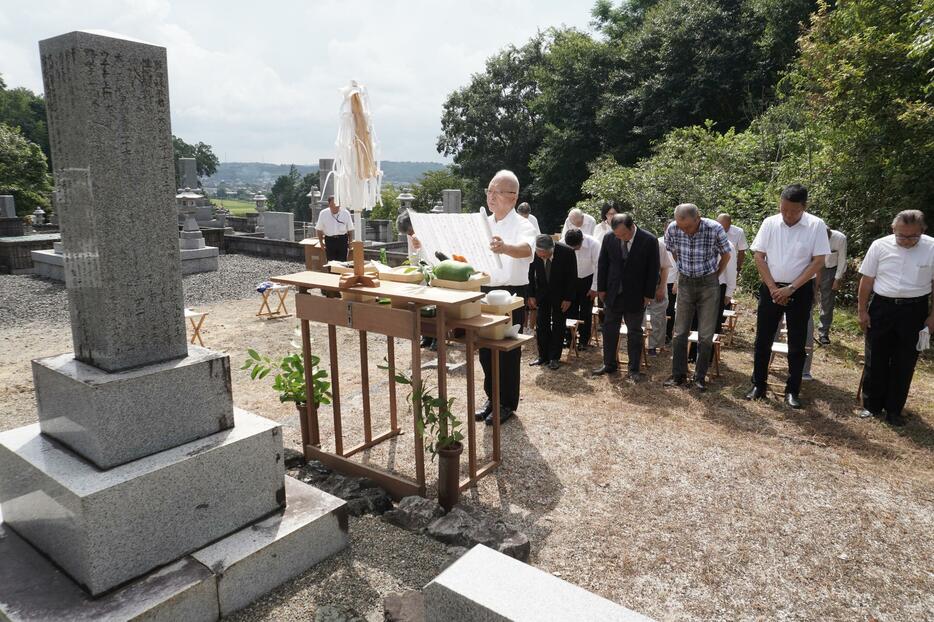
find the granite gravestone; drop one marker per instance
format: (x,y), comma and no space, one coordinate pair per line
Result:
(279,226)
(143,461)
(7,206)
(188,173)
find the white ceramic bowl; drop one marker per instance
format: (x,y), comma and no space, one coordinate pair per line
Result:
(498,297)
(513,331)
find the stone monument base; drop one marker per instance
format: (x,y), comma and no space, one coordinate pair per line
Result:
(49,265)
(216,580)
(196,260)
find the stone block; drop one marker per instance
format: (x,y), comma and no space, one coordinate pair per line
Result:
(190,240)
(279,226)
(200,260)
(486,586)
(7,206)
(107,103)
(32,589)
(188,173)
(114,418)
(254,560)
(106,527)
(49,265)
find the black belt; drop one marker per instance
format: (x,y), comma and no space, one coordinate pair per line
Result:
(901,301)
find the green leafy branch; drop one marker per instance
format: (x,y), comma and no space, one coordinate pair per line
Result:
(436,423)
(289,380)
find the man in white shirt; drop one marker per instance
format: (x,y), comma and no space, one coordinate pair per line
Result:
(657,309)
(898,271)
(513,240)
(579,220)
(834,268)
(587,250)
(790,248)
(525,210)
(335,231)
(737,238)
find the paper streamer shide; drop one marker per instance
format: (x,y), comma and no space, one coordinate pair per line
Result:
(357,175)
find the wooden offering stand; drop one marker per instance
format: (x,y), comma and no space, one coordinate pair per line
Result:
(401,319)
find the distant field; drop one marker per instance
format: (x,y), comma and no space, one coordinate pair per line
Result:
(235,206)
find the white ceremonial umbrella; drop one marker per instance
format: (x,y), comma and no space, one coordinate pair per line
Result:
(357,176)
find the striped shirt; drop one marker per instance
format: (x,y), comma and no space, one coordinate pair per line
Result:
(698,254)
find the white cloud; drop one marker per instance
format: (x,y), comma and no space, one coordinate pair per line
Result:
(260,81)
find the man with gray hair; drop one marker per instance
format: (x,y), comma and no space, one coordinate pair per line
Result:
(702,251)
(552,277)
(579,220)
(513,240)
(525,210)
(898,276)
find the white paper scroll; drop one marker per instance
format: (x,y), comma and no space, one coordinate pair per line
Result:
(462,234)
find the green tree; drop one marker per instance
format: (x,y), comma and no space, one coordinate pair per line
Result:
(427,190)
(388,208)
(205,160)
(24,171)
(22,108)
(490,124)
(289,193)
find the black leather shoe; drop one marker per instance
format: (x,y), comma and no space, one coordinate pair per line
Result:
(865,413)
(484,412)
(675,381)
(755,393)
(896,420)
(553,365)
(505,414)
(635,377)
(603,369)
(792,400)
(535,362)
(700,384)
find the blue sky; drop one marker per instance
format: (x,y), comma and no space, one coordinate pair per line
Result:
(259,80)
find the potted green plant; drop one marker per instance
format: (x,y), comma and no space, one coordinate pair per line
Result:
(440,430)
(289,381)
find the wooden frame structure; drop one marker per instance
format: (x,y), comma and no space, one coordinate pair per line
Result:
(402,320)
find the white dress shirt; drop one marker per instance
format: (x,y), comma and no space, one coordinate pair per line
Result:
(588,226)
(587,257)
(728,276)
(601,230)
(534,221)
(334,224)
(513,229)
(837,257)
(900,272)
(665,260)
(672,264)
(789,250)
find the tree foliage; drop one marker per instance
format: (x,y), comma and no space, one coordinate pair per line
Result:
(24,171)
(25,110)
(289,193)
(206,162)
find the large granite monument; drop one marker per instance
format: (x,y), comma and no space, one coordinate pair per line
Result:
(188,173)
(149,492)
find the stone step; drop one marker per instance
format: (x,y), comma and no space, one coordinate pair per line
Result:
(217,580)
(107,527)
(118,417)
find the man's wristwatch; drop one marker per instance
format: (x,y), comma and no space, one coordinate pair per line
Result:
(792,287)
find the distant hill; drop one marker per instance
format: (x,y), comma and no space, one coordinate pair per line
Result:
(261,173)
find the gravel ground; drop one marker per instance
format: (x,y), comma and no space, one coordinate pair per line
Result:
(30,299)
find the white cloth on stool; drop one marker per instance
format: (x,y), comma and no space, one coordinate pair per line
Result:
(924,339)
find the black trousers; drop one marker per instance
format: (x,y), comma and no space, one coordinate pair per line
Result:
(336,247)
(509,362)
(613,317)
(549,328)
(582,309)
(670,312)
(891,353)
(768,317)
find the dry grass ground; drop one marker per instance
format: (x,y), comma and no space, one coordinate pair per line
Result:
(676,504)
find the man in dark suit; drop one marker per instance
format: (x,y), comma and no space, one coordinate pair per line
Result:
(552,277)
(627,277)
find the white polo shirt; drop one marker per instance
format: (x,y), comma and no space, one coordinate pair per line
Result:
(513,229)
(334,224)
(837,257)
(587,257)
(728,276)
(670,259)
(600,230)
(587,226)
(900,272)
(532,219)
(789,250)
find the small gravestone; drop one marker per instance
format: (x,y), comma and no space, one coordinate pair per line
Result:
(451,201)
(10,224)
(279,226)
(7,206)
(188,172)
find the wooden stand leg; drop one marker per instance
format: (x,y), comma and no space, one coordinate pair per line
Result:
(471,405)
(391,358)
(309,423)
(416,407)
(365,388)
(495,372)
(335,391)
